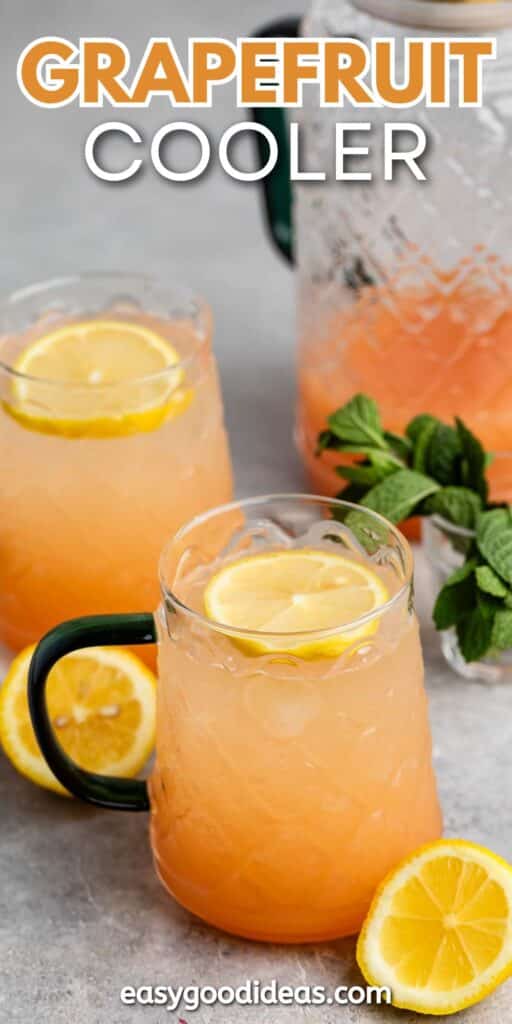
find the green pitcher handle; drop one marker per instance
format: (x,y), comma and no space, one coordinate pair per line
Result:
(93,631)
(277,189)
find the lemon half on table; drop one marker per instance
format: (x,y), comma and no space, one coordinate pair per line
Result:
(439,931)
(102,706)
(98,378)
(296,591)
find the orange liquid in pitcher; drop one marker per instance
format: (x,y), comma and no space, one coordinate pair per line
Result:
(286,789)
(444,349)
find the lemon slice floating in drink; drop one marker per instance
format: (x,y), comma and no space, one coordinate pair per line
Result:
(102,706)
(295,592)
(98,378)
(439,932)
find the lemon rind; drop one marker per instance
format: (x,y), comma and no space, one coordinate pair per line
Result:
(35,768)
(331,647)
(51,338)
(377,971)
(147,419)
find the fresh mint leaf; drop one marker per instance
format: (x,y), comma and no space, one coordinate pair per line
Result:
(507,600)
(366,475)
(502,629)
(371,535)
(397,496)
(489,581)
(473,461)
(454,602)
(386,461)
(462,573)
(373,454)
(357,449)
(498,518)
(418,424)
(474,633)
(494,540)
(422,446)
(401,446)
(443,455)
(488,605)
(358,422)
(457,505)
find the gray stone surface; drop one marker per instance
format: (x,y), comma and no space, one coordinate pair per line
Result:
(81,912)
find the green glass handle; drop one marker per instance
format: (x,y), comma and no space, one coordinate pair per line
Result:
(277,189)
(94,631)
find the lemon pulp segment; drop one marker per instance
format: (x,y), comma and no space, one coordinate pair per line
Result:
(102,708)
(439,931)
(296,591)
(121,378)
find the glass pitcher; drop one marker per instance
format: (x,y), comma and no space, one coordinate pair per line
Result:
(405,287)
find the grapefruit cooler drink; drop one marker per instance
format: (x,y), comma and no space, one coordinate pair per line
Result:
(293,744)
(111,436)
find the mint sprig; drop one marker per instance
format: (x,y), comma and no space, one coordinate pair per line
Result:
(431,469)
(477,601)
(438,469)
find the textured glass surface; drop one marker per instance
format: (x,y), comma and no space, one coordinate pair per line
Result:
(406,286)
(286,787)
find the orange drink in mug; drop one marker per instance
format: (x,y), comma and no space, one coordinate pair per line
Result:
(293,765)
(111,436)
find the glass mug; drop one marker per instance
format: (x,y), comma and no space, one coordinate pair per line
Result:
(74,531)
(284,788)
(404,287)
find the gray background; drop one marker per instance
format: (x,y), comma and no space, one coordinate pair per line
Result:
(81,913)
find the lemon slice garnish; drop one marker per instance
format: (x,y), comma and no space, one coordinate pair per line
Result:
(102,705)
(296,591)
(439,932)
(122,378)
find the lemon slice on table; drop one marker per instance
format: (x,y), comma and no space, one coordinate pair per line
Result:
(439,932)
(115,372)
(296,591)
(102,708)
